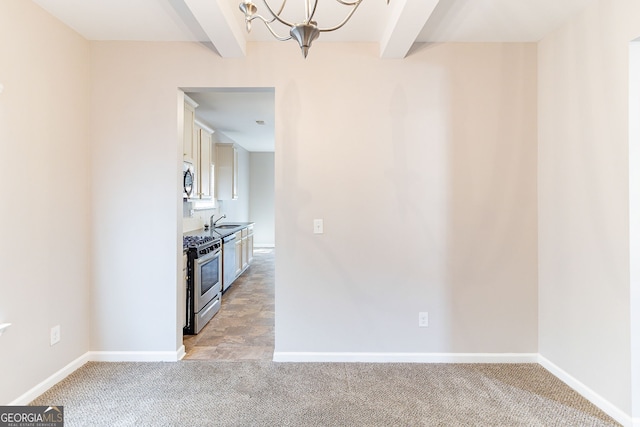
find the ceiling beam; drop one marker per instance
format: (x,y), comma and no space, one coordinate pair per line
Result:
(405,24)
(217,20)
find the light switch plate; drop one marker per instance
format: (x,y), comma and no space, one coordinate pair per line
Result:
(55,335)
(423,319)
(318,226)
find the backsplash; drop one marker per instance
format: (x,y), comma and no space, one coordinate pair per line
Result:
(194,219)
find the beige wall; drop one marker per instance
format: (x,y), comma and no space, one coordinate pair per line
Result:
(136,170)
(44,186)
(424,171)
(584,200)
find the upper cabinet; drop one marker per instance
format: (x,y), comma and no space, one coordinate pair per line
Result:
(198,150)
(226,172)
(204,165)
(190,150)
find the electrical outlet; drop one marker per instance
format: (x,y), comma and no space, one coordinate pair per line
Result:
(423,319)
(318,226)
(55,335)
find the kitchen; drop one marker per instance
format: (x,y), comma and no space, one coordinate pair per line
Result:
(226,180)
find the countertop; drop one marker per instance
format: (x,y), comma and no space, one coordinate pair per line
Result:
(220,232)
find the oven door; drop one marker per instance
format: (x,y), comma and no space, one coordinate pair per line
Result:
(208,279)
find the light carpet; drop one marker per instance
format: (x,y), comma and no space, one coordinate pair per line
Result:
(263,393)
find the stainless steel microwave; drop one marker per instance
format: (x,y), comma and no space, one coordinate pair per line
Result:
(188,180)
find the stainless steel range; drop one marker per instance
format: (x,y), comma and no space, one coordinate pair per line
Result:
(204,280)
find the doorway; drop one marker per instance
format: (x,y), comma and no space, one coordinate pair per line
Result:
(243,329)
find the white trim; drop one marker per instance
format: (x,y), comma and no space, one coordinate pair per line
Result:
(609,408)
(136,356)
(264,246)
(98,356)
(181,353)
(203,125)
(284,356)
(45,385)
(190,101)
(634,224)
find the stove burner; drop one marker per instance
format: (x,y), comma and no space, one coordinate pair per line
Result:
(195,241)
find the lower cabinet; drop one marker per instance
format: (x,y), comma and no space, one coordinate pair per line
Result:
(244,249)
(249,244)
(239,254)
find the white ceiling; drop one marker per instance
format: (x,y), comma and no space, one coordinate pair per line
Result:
(497,20)
(233,113)
(396,27)
(452,20)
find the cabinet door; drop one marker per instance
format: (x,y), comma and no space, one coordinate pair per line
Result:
(245,253)
(204,165)
(234,191)
(238,256)
(226,172)
(249,243)
(196,162)
(250,249)
(189,135)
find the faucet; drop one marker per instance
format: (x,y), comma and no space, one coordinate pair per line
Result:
(212,223)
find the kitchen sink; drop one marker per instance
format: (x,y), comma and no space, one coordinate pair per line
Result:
(227,226)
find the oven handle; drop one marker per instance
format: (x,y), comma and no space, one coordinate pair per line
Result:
(208,257)
(204,313)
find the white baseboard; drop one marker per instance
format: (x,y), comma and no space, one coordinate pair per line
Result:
(98,356)
(593,397)
(136,356)
(181,353)
(45,385)
(283,356)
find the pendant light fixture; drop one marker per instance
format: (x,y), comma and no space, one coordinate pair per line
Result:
(304,32)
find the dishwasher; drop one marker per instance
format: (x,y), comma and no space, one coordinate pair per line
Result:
(228,261)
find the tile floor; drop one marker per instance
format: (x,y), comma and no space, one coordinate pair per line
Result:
(243,329)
